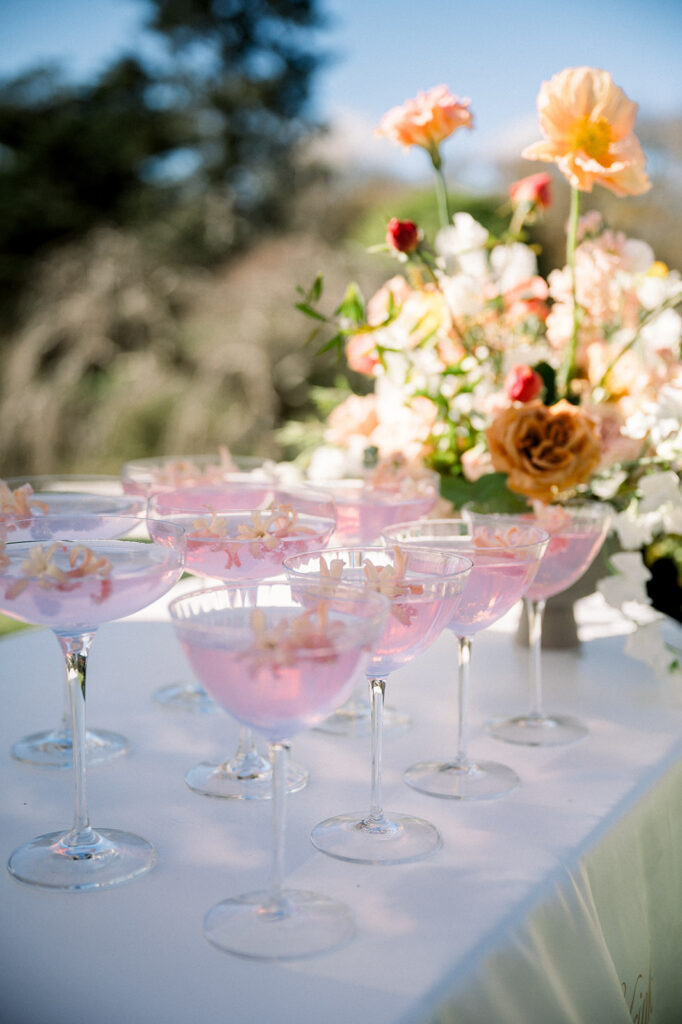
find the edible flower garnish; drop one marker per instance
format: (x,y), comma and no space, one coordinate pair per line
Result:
(385,579)
(18,501)
(552,518)
(280,646)
(41,568)
(183,472)
(216,526)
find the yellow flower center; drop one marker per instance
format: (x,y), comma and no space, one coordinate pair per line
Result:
(592,137)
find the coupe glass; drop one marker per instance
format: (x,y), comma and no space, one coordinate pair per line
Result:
(64,494)
(577,533)
(160,473)
(73,576)
(364,507)
(505,560)
(242,530)
(423,586)
(278,657)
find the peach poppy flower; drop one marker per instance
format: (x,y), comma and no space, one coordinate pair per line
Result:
(427,119)
(588,126)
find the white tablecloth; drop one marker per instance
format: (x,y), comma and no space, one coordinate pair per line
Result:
(559,903)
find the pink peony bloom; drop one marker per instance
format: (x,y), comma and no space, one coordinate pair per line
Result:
(587,123)
(535,189)
(426,120)
(402,235)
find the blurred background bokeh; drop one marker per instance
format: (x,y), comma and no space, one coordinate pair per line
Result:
(172,170)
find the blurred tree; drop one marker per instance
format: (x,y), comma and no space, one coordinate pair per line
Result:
(200,147)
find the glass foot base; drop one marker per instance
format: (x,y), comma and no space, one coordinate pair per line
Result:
(395,839)
(187,697)
(301,924)
(538,730)
(54,749)
(469,780)
(246,783)
(355,720)
(109,858)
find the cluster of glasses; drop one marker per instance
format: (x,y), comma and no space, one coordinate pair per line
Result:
(302,590)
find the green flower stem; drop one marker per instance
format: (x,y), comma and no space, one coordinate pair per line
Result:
(568,369)
(441,188)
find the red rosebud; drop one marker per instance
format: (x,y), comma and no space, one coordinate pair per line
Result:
(536,189)
(522,384)
(402,235)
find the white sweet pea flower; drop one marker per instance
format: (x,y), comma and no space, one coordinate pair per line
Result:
(635,529)
(628,582)
(512,265)
(663,332)
(606,487)
(462,294)
(462,246)
(647,644)
(659,489)
(654,291)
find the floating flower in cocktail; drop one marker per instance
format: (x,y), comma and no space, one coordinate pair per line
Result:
(74,575)
(278,656)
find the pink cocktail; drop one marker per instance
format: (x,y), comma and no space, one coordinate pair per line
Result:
(423,586)
(242,530)
(73,582)
(505,561)
(24,501)
(155,475)
(577,533)
(364,509)
(278,656)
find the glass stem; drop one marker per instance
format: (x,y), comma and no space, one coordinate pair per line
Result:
(76,649)
(247,761)
(377,688)
(463,665)
(535,610)
(277,904)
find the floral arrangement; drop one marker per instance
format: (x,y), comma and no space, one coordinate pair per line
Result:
(515,387)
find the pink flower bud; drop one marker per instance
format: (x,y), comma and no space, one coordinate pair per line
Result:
(536,189)
(402,235)
(522,384)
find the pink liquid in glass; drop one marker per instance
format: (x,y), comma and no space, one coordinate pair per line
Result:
(569,553)
(140,574)
(278,701)
(494,586)
(363,512)
(231,558)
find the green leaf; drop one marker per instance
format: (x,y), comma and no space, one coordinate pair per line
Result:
(308,310)
(352,305)
(489,493)
(548,374)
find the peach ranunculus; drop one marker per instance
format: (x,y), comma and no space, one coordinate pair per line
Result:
(544,450)
(361,354)
(356,416)
(426,120)
(588,124)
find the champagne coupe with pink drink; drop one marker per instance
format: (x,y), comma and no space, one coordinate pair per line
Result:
(364,507)
(161,473)
(74,574)
(577,533)
(278,657)
(241,530)
(424,587)
(506,558)
(21,500)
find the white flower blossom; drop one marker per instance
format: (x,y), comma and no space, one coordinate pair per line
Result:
(628,582)
(647,644)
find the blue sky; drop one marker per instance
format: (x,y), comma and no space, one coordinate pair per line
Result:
(496,53)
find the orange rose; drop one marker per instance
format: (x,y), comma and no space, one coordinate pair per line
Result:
(545,450)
